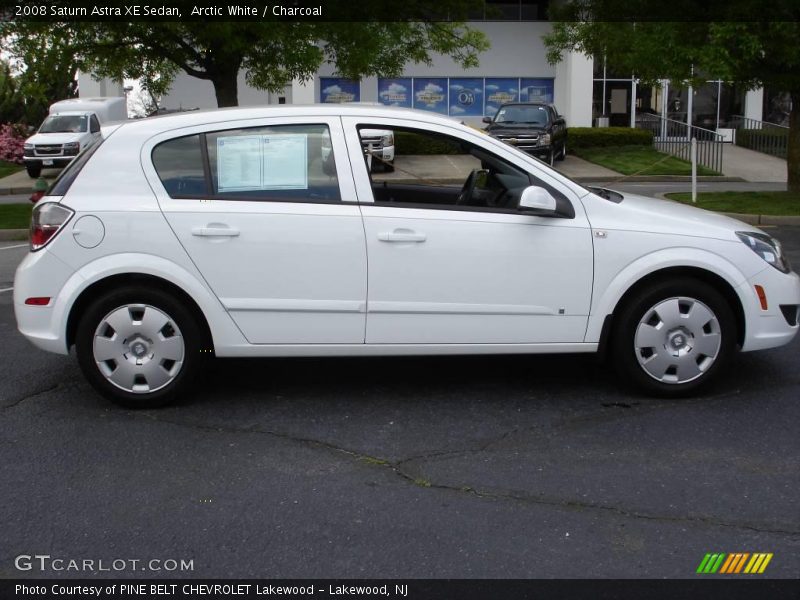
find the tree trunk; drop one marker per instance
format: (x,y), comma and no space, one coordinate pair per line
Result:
(226,87)
(793,150)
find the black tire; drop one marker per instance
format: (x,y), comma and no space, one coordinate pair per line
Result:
(34,170)
(563,152)
(192,338)
(629,316)
(551,158)
(388,167)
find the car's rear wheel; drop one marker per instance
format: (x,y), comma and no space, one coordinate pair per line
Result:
(138,347)
(674,337)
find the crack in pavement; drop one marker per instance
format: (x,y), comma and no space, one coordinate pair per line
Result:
(396,468)
(30,396)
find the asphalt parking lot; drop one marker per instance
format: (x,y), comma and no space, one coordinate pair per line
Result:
(517,467)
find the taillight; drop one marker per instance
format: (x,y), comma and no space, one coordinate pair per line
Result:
(46,221)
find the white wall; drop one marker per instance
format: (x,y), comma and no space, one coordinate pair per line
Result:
(573,89)
(516,50)
(190,92)
(754,104)
(88,87)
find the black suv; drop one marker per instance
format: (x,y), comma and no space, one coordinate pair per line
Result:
(533,127)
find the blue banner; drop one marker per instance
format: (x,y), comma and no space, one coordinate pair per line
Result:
(500,90)
(430,93)
(536,90)
(395,91)
(466,97)
(338,89)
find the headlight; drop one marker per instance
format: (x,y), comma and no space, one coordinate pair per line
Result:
(767,247)
(388,139)
(27,146)
(544,140)
(72,146)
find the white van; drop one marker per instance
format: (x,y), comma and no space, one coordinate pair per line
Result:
(71,126)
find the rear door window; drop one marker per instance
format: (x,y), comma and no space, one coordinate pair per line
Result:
(281,162)
(278,163)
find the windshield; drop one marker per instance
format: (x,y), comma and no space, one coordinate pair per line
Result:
(531,115)
(64,124)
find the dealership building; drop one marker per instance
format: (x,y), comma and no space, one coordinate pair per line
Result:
(515,68)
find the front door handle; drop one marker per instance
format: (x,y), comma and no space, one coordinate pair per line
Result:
(402,235)
(212,231)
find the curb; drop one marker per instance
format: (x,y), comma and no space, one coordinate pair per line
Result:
(15,190)
(656,179)
(13,235)
(745,217)
(765,219)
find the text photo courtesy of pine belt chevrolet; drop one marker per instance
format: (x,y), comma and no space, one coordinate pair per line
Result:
(261,232)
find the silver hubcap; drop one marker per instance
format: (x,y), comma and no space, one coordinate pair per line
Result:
(138,348)
(677,340)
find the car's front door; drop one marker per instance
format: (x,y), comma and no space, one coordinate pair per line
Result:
(451,274)
(267,212)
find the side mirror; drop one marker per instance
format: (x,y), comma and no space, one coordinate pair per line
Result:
(537,199)
(487,119)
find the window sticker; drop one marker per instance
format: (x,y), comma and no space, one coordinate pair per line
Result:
(262,162)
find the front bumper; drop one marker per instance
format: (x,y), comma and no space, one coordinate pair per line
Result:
(49,162)
(778,324)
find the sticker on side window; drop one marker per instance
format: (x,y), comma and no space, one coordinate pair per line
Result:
(262,162)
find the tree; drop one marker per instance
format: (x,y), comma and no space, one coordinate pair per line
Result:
(46,70)
(751,52)
(271,53)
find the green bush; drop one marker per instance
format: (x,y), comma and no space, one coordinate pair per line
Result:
(406,142)
(773,140)
(604,137)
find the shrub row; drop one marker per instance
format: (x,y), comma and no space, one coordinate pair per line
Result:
(406,142)
(12,138)
(604,137)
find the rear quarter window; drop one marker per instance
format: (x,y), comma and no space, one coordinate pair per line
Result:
(179,164)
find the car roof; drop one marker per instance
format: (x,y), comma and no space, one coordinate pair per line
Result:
(159,123)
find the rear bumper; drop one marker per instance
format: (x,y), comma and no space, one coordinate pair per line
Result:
(41,274)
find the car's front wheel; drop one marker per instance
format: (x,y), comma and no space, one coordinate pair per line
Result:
(138,347)
(674,337)
(34,169)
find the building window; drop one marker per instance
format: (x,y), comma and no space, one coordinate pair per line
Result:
(463,97)
(338,89)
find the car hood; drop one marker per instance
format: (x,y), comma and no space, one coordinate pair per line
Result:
(641,213)
(517,129)
(54,138)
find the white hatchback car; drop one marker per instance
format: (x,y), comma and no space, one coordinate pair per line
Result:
(233,233)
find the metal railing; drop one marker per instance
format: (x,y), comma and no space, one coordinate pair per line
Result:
(675,138)
(761,136)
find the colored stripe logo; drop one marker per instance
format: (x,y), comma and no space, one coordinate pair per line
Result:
(735,563)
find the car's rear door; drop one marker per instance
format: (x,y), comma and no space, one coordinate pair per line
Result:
(267,211)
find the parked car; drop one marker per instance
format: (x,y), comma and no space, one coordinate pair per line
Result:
(226,233)
(533,127)
(71,126)
(378,147)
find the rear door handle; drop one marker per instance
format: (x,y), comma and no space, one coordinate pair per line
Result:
(215,231)
(402,235)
